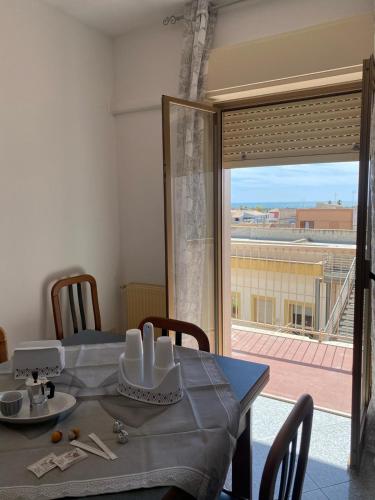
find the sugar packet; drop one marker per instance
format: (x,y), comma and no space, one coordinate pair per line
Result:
(43,465)
(69,458)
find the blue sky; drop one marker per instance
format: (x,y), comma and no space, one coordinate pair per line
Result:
(294,183)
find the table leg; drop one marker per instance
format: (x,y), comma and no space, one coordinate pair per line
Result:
(242,463)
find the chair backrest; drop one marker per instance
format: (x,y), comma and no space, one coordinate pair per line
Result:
(284,452)
(179,327)
(69,282)
(3,346)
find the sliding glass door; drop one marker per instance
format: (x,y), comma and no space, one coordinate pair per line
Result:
(192,226)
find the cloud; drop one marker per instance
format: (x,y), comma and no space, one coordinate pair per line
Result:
(312,182)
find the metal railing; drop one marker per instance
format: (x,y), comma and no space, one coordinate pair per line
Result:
(332,325)
(274,287)
(279,329)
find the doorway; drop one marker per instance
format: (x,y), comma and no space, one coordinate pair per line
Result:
(292,275)
(340,134)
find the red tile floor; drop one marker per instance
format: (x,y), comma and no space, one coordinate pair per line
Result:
(298,366)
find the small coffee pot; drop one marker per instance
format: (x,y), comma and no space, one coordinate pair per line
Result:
(39,389)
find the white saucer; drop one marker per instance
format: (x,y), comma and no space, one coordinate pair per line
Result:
(59,404)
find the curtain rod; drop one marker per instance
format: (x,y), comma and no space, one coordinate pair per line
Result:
(174,19)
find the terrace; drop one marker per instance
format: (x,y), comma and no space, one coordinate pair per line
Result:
(292,308)
(299,365)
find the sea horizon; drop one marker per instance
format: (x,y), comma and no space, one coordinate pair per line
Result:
(283,204)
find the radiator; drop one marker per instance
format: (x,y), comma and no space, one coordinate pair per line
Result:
(142,300)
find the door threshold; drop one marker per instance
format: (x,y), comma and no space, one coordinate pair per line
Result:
(320,408)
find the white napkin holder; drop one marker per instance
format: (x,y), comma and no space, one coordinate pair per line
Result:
(45,356)
(168,391)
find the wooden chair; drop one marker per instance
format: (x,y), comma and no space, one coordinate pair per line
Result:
(69,282)
(179,327)
(3,346)
(283,453)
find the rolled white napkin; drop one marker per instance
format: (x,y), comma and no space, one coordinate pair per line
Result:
(133,359)
(164,360)
(148,354)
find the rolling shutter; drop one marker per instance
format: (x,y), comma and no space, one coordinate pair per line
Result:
(318,130)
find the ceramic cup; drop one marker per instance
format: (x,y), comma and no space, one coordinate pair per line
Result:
(10,403)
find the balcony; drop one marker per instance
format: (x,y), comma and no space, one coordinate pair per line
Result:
(299,365)
(292,308)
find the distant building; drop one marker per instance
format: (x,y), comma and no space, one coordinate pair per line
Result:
(287,216)
(334,217)
(273,214)
(237,215)
(295,287)
(255,216)
(249,216)
(282,217)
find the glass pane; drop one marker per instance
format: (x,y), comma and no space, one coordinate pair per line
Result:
(308,317)
(191,263)
(267,311)
(235,305)
(263,310)
(296,314)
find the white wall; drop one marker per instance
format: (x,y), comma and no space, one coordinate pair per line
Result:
(249,21)
(141,183)
(147,63)
(59,208)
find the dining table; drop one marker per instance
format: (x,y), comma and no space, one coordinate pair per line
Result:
(246,380)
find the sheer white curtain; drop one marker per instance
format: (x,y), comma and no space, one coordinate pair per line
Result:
(199,26)
(192,177)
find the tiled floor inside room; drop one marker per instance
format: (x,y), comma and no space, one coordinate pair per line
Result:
(327,473)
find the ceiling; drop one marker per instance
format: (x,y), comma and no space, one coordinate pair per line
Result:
(116,17)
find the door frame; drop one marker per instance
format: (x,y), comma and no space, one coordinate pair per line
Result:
(367,87)
(289,96)
(217,108)
(249,102)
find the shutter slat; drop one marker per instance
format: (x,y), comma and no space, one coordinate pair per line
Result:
(328,127)
(315,121)
(295,133)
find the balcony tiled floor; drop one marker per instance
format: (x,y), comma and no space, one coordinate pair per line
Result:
(327,472)
(298,366)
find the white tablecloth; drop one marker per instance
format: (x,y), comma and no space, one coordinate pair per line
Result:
(189,444)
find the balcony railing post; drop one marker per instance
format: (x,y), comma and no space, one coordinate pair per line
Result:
(317,303)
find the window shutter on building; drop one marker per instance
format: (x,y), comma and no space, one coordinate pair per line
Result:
(314,130)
